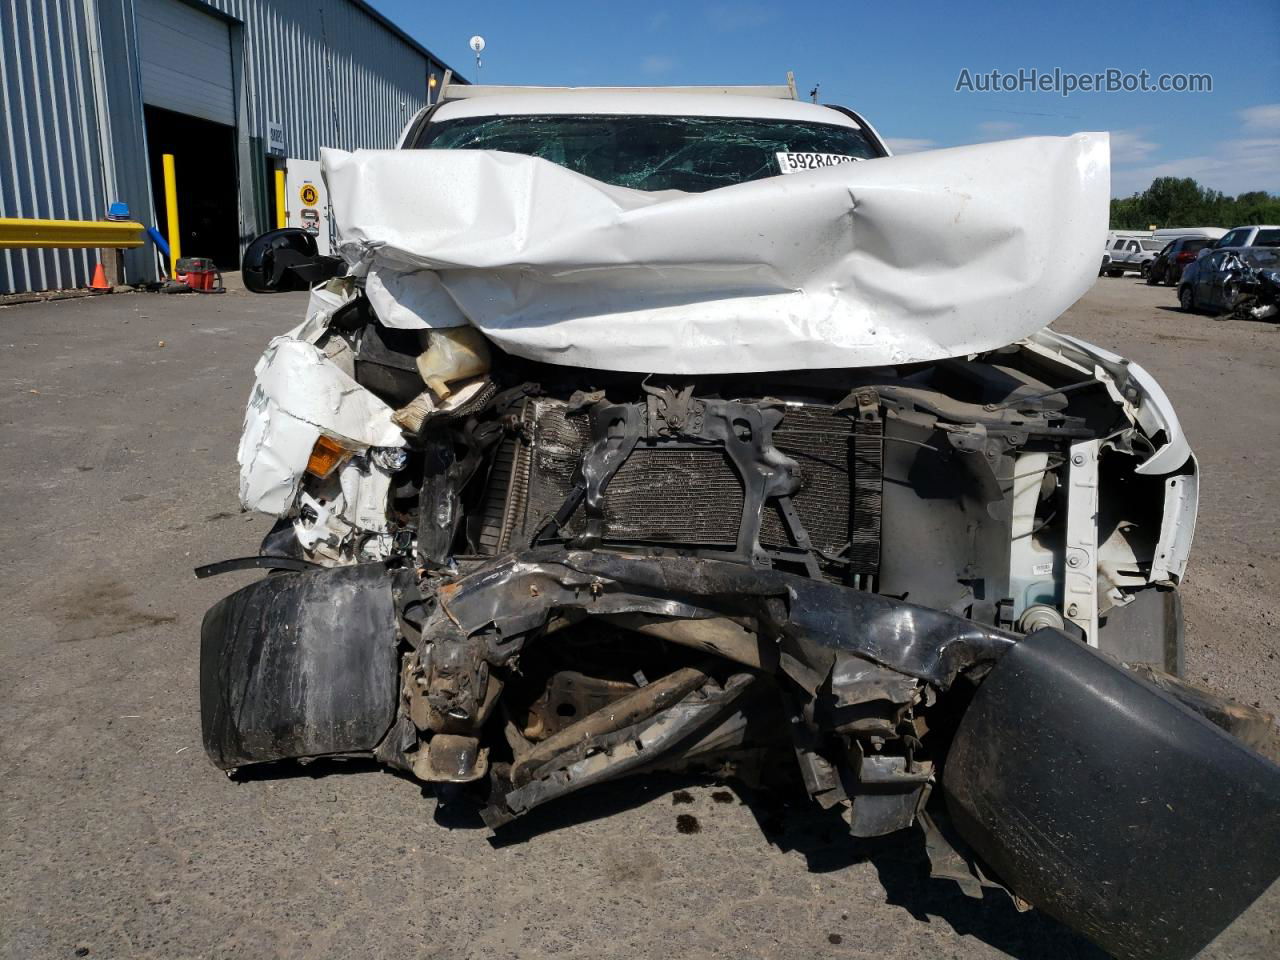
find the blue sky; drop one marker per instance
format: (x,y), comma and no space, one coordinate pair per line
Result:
(898,64)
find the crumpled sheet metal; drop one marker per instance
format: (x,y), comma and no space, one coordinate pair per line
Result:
(297,395)
(894,260)
(822,622)
(322,303)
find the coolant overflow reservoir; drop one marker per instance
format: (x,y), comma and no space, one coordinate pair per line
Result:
(453,353)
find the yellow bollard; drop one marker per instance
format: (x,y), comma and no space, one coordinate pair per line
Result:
(171,212)
(282,215)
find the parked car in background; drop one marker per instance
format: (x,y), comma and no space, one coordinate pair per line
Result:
(1132,254)
(1169,263)
(1219,280)
(1258,235)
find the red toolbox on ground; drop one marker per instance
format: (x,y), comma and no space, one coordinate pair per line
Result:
(198,273)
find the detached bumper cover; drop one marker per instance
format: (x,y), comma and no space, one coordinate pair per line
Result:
(299,665)
(1108,804)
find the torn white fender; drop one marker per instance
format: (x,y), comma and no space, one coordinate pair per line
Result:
(889,261)
(297,395)
(1143,399)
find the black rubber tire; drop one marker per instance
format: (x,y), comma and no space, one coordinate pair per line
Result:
(1187,299)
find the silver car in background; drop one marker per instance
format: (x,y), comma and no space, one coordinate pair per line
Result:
(1132,254)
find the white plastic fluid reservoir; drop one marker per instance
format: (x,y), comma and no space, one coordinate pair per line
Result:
(453,353)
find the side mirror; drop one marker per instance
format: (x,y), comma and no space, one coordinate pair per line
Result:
(287,259)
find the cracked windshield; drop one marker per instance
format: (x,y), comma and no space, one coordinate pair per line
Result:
(654,153)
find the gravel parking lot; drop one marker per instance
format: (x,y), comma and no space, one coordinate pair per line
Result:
(120,417)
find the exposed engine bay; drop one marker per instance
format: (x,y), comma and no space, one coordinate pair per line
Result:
(978,467)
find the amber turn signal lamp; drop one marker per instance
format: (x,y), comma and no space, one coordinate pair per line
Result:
(325,457)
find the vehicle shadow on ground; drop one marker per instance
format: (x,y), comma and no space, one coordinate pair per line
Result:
(822,838)
(1207,314)
(316,769)
(791,823)
(788,820)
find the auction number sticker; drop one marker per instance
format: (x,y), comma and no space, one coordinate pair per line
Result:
(798,162)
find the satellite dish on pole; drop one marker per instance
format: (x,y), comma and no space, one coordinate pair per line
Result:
(477,44)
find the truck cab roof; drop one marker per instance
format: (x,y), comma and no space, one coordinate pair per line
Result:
(632,101)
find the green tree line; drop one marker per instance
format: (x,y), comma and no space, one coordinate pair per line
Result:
(1181,202)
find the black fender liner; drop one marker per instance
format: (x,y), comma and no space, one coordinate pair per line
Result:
(1109,805)
(299,665)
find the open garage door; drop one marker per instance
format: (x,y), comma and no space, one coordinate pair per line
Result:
(186,61)
(188,90)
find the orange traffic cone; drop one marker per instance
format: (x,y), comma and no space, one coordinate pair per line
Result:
(99,278)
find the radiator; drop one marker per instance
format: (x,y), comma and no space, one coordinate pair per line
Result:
(690,496)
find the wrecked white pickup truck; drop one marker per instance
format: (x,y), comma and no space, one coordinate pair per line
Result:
(654,430)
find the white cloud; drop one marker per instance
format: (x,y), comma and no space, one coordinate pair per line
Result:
(1128,146)
(655,64)
(1235,166)
(909,144)
(1263,117)
(997,128)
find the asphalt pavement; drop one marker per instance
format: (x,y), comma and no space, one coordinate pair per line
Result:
(119,418)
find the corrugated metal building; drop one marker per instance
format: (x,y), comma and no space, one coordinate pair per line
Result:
(94,91)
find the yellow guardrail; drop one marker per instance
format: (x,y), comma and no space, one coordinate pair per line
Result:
(18,232)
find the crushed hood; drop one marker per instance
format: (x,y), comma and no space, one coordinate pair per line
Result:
(887,261)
